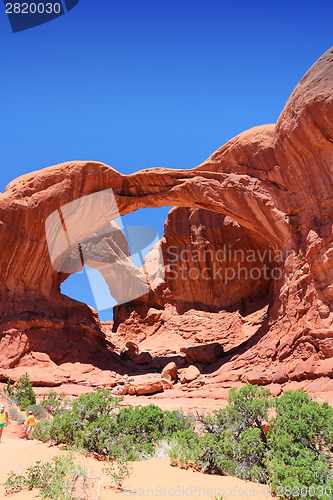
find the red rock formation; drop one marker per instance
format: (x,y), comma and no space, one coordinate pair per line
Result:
(270,188)
(206,354)
(169,372)
(189,374)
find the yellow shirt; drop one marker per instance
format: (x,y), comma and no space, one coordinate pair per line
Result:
(2,417)
(31,420)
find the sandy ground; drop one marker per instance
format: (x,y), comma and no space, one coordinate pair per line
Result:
(150,479)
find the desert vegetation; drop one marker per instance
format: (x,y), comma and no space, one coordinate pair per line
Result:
(293,457)
(95,422)
(21,392)
(285,442)
(64,478)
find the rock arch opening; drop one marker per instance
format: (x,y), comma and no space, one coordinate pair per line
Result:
(92,284)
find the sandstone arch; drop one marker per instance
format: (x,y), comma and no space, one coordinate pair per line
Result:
(274,180)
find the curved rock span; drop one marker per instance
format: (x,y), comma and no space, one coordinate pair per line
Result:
(250,247)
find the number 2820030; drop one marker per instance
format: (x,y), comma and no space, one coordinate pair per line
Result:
(33,8)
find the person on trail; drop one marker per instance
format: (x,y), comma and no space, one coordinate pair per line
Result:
(29,424)
(3,419)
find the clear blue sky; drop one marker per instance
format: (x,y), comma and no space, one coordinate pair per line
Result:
(137,84)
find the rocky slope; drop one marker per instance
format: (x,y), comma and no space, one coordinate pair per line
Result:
(267,192)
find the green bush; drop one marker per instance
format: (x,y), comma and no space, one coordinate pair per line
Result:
(300,441)
(118,469)
(53,402)
(95,422)
(184,447)
(63,478)
(235,442)
(9,389)
(41,431)
(295,454)
(21,392)
(143,427)
(175,421)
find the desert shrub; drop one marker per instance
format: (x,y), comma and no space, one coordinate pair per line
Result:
(234,442)
(210,454)
(9,389)
(247,408)
(87,422)
(184,447)
(64,478)
(176,420)
(300,442)
(53,402)
(118,469)
(245,455)
(95,422)
(294,455)
(37,410)
(21,392)
(13,414)
(41,431)
(144,427)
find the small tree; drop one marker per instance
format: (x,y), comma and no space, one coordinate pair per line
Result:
(54,402)
(240,446)
(248,407)
(22,392)
(301,439)
(9,389)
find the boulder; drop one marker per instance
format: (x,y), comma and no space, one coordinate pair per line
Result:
(170,371)
(167,384)
(195,384)
(189,374)
(207,353)
(143,358)
(148,387)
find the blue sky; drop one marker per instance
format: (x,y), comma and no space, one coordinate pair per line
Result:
(137,84)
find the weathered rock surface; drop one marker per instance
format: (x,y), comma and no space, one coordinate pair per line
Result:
(170,372)
(207,354)
(267,192)
(146,386)
(188,374)
(143,358)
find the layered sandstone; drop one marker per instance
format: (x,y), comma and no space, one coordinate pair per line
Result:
(267,190)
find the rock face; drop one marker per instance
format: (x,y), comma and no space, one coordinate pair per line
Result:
(204,258)
(266,196)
